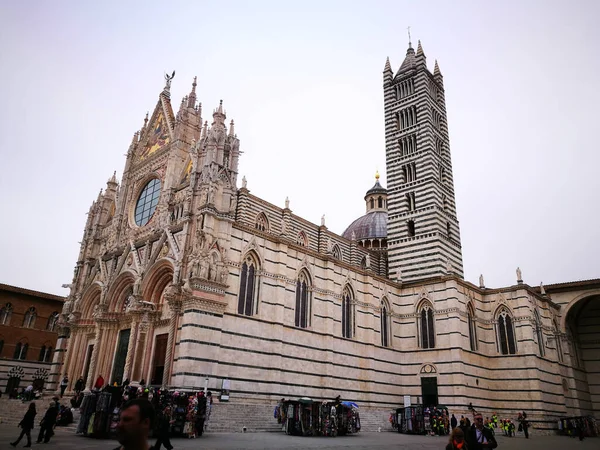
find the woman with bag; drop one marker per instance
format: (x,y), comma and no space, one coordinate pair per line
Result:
(26,425)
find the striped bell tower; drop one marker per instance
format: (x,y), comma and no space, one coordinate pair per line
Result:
(423,231)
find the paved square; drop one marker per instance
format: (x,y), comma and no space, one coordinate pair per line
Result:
(387,440)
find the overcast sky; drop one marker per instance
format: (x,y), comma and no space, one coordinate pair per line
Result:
(303,82)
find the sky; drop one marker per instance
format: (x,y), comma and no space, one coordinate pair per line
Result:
(303,82)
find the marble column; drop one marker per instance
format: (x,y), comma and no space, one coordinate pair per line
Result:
(131,350)
(58,367)
(97,342)
(175,310)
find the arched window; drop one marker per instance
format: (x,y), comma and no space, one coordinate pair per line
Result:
(472,327)
(539,333)
(372,201)
(29,320)
(559,351)
(347,314)
(5,314)
(262,224)
(302,239)
(249,287)
(303,301)
(45,353)
(52,321)
(385,323)
(426,326)
(379,202)
(21,350)
(336,252)
(506,333)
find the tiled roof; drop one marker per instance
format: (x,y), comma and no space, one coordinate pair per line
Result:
(20,290)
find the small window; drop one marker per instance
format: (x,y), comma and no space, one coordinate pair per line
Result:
(52,321)
(5,314)
(411,228)
(448,230)
(261,222)
(380,202)
(506,334)
(427,327)
(29,319)
(336,252)
(1,346)
(21,350)
(302,239)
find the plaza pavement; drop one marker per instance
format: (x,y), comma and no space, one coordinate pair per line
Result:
(65,439)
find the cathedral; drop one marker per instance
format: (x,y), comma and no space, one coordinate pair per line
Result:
(187,281)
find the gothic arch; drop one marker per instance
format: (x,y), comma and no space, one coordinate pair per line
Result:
(120,289)
(261,223)
(385,322)
(89,300)
(426,324)
(249,288)
(505,331)
(158,277)
(337,252)
(424,302)
(571,304)
(302,239)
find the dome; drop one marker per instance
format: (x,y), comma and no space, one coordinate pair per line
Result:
(372,225)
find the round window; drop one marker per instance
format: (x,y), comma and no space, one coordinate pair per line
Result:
(147,202)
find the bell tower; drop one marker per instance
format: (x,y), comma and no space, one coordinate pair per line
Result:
(423,231)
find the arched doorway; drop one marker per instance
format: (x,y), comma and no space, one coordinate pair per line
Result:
(583,331)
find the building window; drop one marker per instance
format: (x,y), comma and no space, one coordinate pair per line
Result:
(302,316)
(442,174)
(249,287)
(407,117)
(147,201)
(261,222)
(410,172)
(444,201)
(407,144)
(29,320)
(302,239)
(539,333)
(426,326)
(506,334)
(5,314)
(438,145)
(379,202)
(21,350)
(45,353)
(52,321)
(411,228)
(347,314)
(448,230)
(404,89)
(1,346)
(410,201)
(472,328)
(336,252)
(385,324)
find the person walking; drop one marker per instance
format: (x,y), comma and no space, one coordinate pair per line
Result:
(47,424)
(163,430)
(79,384)
(135,422)
(457,440)
(453,422)
(201,414)
(63,385)
(478,437)
(26,425)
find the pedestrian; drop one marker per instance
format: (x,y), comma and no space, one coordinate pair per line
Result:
(135,422)
(26,425)
(47,424)
(63,385)
(201,414)
(99,382)
(79,384)
(163,430)
(478,437)
(457,440)
(453,422)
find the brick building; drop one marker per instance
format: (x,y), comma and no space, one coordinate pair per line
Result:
(28,334)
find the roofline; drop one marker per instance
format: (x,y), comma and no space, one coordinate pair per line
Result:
(570,285)
(20,290)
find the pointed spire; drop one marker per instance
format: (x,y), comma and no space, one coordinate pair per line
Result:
(436,70)
(219,115)
(231,129)
(113,179)
(204,130)
(387,67)
(420,49)
(168,78)
(145,121)
(192,96)
(220,110)
(135,138)
(409,62)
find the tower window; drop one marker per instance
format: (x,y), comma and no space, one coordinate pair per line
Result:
(448,230)
(372,203)
(380,202)
(472,328)
(506,333)
(385,324)
(411,228)
(539,333)
(442,174)
(347,314)
(248,294)
(302,312)
(426,327)
(410,201)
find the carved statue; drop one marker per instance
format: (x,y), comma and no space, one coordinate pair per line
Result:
(542,289)
(398,274)
(211,195)
(323,220)
(367,261)
(519,274)
(203,273)
(353,235)
(244,182)
(168,80)
(287,203)
(448,266)
(481,283)
(329,245)
(283,226)
(233,203)
(224,275)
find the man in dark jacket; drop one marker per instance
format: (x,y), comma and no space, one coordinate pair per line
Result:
(47,424)
(453,423)
(163,430)
(479,437)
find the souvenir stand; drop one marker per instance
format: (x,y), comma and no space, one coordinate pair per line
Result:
(305,417)
(411,420)
(97,411)
(569,426)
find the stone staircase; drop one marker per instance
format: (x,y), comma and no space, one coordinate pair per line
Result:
(12,411)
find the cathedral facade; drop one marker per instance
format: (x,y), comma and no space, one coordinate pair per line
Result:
(185,280)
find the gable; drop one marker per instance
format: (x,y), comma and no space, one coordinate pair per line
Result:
(158,136)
